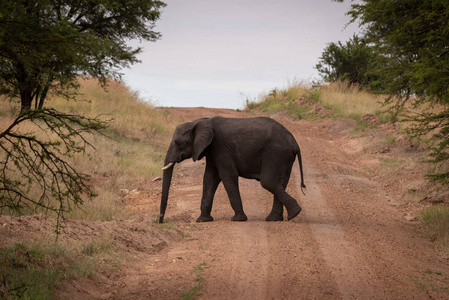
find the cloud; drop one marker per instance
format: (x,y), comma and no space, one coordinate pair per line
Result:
(212,49)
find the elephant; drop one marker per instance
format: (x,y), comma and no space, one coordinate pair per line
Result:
(256,148)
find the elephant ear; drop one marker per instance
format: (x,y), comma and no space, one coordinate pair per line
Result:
(203,135)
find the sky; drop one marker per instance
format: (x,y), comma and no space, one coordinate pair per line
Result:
(216,53)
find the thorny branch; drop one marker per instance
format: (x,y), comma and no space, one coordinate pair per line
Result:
(35,173)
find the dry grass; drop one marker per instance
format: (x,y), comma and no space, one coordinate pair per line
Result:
(436,220)
(352,101)
(130,151)
(282,100)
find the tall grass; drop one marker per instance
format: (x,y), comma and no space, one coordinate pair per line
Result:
(282,100)
(436,220)
(345,101)
(130,150)
(352,101)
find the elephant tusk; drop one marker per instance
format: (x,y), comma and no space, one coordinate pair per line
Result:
(168,166)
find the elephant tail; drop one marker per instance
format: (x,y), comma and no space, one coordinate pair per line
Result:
(303,186)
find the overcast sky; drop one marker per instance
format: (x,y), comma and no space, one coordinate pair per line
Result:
(217,53)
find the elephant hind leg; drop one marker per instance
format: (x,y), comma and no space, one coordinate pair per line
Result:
(293,209)
(277,211)
(275,180)
(281,198)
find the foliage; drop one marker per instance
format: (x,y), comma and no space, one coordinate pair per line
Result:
(45,46)
(130,150)
(412,66)
(32,163)
(350,62)
(411,38)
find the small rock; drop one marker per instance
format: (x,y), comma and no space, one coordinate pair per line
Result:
(124,192)
(135,192)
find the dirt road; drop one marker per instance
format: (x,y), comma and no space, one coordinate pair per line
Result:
(351,241)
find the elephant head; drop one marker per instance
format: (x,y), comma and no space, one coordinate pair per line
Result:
(190,140)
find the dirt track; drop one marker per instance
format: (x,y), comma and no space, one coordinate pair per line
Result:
(351,240)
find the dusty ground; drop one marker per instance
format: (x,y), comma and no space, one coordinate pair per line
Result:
(356,238)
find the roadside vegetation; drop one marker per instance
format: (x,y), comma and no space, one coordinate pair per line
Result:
(128,152)
(31,270)
(339,98)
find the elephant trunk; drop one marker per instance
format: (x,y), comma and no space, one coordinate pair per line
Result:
(168,172)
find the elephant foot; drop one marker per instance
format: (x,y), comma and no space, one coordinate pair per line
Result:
(239,217)
(205,219)
(293,213)
(274,218)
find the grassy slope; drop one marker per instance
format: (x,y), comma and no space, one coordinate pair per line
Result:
(351,102)
(131,150)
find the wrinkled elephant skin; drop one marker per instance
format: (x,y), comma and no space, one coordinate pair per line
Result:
(257,148)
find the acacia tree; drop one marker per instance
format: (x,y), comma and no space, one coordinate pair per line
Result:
(45,46)
(410,38)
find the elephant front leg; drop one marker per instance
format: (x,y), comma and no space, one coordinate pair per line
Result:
(211,181)
(231,185)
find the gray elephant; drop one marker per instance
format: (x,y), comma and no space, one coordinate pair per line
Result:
(257,148)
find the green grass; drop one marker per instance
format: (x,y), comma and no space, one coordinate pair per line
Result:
(31,270)
(279,100)
(430,280)
(197,289)
(350,102)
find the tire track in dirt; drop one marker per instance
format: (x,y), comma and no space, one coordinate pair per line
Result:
(346,264)
(263,260)
(365,242)
(344,260)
